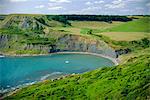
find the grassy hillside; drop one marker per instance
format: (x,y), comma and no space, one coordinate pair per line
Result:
(38,29)
(77,26)
(136,53)
(140,25)
(119,31)
(129,81)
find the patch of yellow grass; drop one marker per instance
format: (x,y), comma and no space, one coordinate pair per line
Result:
(78,25)
(93,24)
(126,36)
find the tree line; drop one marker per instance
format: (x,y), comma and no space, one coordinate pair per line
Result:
(106,18)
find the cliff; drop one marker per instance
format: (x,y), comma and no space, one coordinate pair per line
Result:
(21,34)
(66,42)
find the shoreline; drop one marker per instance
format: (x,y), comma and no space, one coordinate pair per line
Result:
(13,90)
(114,60)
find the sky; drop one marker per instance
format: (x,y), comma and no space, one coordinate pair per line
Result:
(96,7)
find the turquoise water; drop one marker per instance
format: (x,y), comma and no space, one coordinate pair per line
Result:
(20,70)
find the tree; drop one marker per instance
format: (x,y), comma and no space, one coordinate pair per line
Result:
(89,31)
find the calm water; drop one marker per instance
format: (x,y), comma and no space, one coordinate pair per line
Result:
(20,70)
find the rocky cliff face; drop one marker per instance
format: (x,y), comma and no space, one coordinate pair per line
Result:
(4,40)
(23,22)
(84,44)
(65,43)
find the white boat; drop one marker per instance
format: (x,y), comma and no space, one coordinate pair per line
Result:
(66,62)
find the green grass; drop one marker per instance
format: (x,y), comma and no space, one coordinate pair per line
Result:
(19,52)
(11,31)
(139,25)
(125,36)
(94,24)
(128,81)
(119,31)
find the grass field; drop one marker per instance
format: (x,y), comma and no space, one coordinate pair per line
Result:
(78,26)
(140,25)
(119,31)
(126,36)
(94,24)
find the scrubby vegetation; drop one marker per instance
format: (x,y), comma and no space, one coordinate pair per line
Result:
(128,81)
(61,19)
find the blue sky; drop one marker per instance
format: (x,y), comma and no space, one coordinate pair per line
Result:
(102,7)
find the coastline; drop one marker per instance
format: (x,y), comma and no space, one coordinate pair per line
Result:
(114,60)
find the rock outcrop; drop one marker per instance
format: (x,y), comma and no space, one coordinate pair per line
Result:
(71,43)
(23,22)
(84,44)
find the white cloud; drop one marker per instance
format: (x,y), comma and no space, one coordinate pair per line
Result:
(111,6)
(60,1)
(95,2)
(89,9)
(99,2)
(55,8)
(18,0)
(88,3)
(40,6)
(116,4)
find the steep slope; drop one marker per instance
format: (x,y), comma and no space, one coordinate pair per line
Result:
(128,81)
(27,22)
(18,44)
(34,34)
